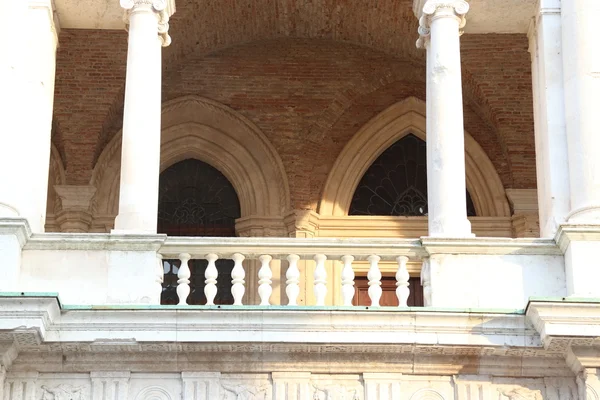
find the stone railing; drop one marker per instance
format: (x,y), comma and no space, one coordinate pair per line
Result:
(316,253)
(113,269)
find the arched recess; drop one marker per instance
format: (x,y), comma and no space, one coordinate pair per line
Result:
(398,120)
(196,127)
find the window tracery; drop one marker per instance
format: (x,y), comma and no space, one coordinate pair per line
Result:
(396,182)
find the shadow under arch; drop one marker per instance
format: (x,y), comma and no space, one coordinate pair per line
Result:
(400,119)
(196,127)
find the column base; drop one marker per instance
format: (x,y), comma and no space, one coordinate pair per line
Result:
(135,223)
(460,229)
(585,215)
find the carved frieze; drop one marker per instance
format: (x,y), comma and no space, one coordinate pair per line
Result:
(63,392)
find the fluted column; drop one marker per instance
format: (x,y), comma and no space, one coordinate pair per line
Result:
(140,155)
(27,72)
(440,24)
(581,71)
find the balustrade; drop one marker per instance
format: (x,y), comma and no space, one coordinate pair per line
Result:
(314,260)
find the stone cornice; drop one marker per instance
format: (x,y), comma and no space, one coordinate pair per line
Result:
(95,241)
(576,232)
(490,246)
(16,226)
(223,325)
(562,324)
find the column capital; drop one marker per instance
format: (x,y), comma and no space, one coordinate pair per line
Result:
(162,8)
(428,10)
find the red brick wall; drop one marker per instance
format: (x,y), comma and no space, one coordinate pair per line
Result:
(308,96)
(90,72)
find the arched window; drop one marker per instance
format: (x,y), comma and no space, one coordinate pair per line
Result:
(396,183)
(196,199)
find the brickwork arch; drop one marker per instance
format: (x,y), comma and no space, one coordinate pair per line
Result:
(398,120)
(196,127)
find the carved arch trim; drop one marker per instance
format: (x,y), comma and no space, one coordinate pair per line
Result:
(196,127)
(395,122)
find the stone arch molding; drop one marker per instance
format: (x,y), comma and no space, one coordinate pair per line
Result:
(154,393)
(196,127)
(427,394)
(397,121)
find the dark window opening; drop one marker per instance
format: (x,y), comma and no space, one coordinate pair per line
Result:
(196,199)
(396,183)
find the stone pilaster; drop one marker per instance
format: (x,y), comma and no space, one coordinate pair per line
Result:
(140,155)
(74,209)
(441,22)
(27,71)
(110,385)
(291,385)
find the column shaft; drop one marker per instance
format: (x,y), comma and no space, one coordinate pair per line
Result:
(446,185)
(581,67)
(140,154)
(550,132)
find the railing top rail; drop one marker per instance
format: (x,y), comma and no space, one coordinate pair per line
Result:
(252,247)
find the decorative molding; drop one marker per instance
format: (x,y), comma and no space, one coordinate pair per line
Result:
(154,393)
(373,138)
(491,246)
(196,127)
(95,241)
(567,233)
(427,394)
(565,324)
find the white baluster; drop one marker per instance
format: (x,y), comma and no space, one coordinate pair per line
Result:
(320,279)
(237,279)
(183,281)
(160,276)
(293,280)
(402,277)
(347,280)
(210,284)
(264,280)
(374,276)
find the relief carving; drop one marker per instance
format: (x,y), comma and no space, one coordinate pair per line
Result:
(63,392)
(335,392)
(243,392)
(520,393)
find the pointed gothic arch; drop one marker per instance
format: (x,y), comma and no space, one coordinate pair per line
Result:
(199,128)
(385,129)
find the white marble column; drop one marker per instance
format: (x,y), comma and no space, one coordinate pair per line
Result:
(581,69)
(440,24)
(27,70)
(140,154)
(552,165)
